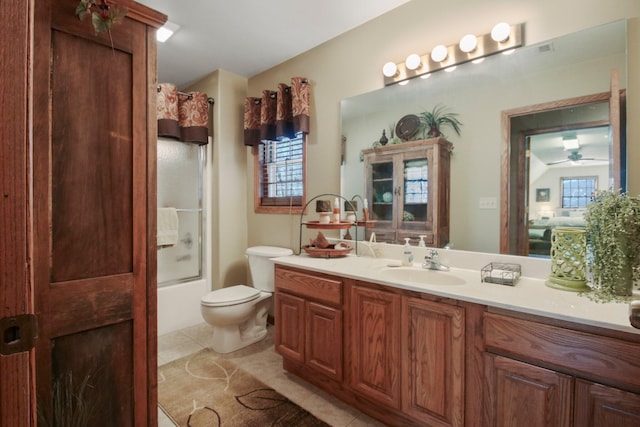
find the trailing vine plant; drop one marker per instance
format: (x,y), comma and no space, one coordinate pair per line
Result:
(103,14)
(612,223)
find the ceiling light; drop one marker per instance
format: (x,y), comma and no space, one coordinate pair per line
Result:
(439,53)
(413,61)
(570,143)
(167,30)
(390,69)
(500,32)
(468,43)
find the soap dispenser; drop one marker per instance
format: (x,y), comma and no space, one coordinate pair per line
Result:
(421,243)
(407,254)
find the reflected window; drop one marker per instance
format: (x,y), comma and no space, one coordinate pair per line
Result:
(577,191)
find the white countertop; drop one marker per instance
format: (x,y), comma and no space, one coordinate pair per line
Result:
(529,295)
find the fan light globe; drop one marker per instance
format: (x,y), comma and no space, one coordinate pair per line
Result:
(390,69)
(500,32)
(468,43)
(413,61)
(439,53)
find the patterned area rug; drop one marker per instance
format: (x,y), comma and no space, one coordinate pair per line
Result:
(205,390)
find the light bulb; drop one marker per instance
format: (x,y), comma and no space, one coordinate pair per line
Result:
(390,69)
(425,76)
(500,32)
(468,43)
(450,69)
(413,61)
(439,53)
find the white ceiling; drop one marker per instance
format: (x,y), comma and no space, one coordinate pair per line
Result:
(247,37)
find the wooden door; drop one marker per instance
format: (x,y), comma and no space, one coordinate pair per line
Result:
(17,402)
(433,368)
(323,339)
(599,405)
(289,321)
(375,345)
(520,394)
(94,213)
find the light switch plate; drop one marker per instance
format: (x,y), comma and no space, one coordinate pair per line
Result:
(488,203)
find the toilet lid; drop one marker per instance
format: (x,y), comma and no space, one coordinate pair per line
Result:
(232,295)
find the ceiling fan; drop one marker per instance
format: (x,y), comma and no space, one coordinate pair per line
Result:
(575,156)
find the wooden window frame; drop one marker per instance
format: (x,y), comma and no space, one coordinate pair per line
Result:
(293,205)
(566,178)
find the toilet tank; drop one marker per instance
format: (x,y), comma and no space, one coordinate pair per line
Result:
(261,266)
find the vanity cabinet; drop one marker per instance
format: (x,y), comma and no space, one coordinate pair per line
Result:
(308,320)
(540,374)
(433,362)
(375,357)
(408,186)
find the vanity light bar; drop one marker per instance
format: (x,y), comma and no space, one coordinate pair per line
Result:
(486,46)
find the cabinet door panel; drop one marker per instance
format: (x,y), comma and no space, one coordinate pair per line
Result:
(519,394)
(324,339)
(433,373)
(289,322)
(376,345)
(598,405)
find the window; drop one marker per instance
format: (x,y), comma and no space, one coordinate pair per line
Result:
(280,175)
(577,191)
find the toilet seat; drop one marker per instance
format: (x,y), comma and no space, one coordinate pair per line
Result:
(232,295)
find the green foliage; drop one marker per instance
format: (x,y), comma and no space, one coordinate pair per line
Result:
(435,120)
(103,15)
(612,224)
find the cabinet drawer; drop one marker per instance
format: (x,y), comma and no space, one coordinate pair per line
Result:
(589,355)
(317,287)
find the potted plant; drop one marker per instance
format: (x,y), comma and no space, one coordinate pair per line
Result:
(612,224)
(433,121)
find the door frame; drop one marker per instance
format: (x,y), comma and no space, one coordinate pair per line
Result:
(513,164)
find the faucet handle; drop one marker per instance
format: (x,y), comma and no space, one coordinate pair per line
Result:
(433,254)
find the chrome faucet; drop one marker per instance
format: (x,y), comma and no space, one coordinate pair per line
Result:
(431,262)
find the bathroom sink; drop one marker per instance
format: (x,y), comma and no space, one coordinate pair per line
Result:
(421,275)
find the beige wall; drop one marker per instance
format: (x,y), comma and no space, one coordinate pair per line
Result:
(351,64)
(226,182)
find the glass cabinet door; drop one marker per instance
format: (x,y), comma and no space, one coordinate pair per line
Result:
(382,190)
(416,190)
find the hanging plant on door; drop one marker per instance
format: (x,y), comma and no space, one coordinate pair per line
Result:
(103,14)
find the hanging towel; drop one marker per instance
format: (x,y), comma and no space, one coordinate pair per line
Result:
(167,226)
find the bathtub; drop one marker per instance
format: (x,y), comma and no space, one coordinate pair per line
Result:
(179,305)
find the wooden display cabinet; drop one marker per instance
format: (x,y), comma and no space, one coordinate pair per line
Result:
(408,186)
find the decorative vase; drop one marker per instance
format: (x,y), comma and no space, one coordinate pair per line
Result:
(383,138)
(568,259)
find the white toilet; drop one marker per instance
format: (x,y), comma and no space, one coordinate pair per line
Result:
(238,313)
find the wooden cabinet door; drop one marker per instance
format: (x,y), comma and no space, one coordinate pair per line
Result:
(17,379)
(290,329)
(375,343)
(433,368)
(520,394)
(94,210)
(599,405)
(323,339)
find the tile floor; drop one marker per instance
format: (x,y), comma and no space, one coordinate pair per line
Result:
(265,364)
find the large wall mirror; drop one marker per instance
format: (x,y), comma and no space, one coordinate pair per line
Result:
(540,96)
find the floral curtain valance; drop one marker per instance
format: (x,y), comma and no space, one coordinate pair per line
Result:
(184,116)
(279,113)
